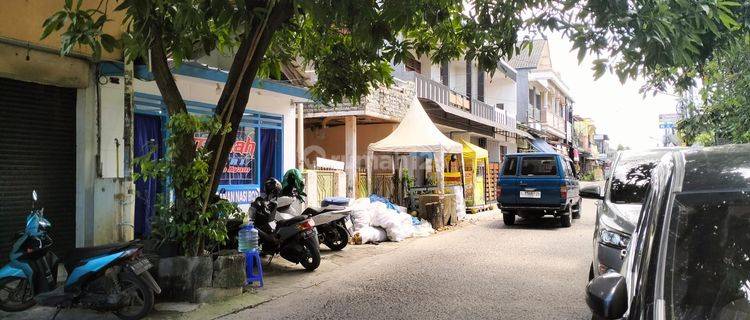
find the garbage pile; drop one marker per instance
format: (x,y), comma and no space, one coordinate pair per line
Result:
(376,219)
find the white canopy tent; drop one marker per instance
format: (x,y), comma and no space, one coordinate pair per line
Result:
(416,133)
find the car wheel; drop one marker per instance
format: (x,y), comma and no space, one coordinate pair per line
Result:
(577,210)
(565,220)
(509,218)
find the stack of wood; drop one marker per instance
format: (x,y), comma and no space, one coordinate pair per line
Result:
(490,187)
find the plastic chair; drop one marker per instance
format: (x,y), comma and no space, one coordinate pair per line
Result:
(253,268)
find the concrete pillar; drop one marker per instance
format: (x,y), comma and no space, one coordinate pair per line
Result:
(350,131)
(300,136)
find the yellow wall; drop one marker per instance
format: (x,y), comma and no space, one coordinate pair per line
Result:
(22,20)
(331,142)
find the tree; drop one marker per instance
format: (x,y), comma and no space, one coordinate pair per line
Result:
(351,44)
(721,114)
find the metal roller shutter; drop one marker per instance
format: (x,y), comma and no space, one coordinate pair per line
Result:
(37,151)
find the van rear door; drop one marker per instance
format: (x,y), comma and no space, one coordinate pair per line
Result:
(508,182)
(539,181)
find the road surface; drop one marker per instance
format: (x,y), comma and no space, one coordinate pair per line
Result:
(482,270)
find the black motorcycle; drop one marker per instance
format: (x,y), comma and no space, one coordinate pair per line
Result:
(295,239)
(330,221)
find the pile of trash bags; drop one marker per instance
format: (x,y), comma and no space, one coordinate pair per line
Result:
(376,219)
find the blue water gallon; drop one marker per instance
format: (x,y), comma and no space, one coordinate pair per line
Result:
(247,238)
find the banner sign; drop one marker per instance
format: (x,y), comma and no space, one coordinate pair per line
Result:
(240,171)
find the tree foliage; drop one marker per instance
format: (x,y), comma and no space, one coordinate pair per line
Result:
(721,114)
(353,43)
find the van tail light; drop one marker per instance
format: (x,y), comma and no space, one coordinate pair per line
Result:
(499,192)
(564,192)
(306,225)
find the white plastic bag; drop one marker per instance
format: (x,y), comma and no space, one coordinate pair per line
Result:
(370,234)
(423,229)
(360,214)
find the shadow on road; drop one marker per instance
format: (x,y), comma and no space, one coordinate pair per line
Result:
(543,223)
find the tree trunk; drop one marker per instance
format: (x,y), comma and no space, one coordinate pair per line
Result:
(185,150)
(249,57)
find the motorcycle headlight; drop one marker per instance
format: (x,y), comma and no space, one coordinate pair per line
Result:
(614,239)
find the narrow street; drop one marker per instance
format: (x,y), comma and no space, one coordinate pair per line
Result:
(534,270)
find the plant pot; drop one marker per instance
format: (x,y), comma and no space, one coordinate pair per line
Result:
(180,277)
(168,249)
(229,269)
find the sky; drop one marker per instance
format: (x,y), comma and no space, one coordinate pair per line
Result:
(618,110)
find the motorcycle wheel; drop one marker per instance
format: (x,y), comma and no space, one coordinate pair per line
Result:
(140,295)
(337,238)
(10,288)
(311,258)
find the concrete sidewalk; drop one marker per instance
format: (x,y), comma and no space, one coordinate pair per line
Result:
(281,279)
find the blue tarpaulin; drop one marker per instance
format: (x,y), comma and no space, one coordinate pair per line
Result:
(377,198)
(542,146)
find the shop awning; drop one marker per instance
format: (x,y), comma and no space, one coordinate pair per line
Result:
(474,151)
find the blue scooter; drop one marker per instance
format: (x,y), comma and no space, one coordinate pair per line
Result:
(112,278)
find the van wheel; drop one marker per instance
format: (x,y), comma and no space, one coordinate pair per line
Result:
(565,220)
(509,218)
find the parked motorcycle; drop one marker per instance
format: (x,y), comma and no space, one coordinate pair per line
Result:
(330,221)
(295,238)
(111,278)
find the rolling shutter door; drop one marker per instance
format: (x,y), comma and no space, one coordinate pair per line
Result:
(37,152)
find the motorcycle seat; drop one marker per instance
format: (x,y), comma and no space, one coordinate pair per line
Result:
(290,221)
(314,211)
(76,255)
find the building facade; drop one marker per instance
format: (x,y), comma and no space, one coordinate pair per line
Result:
(544,102)
(70,134)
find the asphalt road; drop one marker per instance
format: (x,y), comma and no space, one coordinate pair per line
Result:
(482,270)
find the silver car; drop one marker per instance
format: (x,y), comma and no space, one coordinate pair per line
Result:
(619,207)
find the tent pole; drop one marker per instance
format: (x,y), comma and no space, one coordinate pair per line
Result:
(463,173)
(440,168)
(368,165)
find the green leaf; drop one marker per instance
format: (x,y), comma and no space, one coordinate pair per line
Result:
(108,42)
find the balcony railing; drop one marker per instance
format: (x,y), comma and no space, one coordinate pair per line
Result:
(440,93)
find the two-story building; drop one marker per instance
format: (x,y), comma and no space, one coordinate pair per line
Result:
(544,103)
(464,103)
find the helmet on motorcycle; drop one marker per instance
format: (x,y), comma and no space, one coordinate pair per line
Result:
(272,187)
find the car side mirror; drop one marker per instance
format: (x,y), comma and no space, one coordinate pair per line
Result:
(607,296)
(591,192)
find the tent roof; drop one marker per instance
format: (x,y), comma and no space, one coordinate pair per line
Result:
(473,150)
(416,133)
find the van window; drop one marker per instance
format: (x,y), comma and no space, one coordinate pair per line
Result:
(510,166)
(538,166)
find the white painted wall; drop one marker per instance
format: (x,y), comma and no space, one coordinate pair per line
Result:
(85,162)
(113,123)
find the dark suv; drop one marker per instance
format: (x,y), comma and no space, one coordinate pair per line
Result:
(690,254)
(619,208)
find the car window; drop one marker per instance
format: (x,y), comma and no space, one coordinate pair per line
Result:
(568,170)
(707,272)
(648,232)
(630,180)
(510,166)
(538,166)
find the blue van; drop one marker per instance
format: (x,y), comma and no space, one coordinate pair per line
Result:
(538,184)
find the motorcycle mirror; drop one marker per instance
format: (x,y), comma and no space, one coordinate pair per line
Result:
(34,196)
